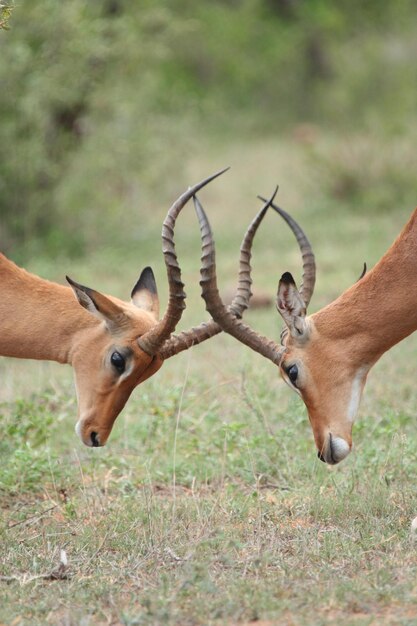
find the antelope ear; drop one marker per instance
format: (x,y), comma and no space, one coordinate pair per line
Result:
(99,305)
(145,294)
(291,306)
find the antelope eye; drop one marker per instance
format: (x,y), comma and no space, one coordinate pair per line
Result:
(118,361)
(292,373)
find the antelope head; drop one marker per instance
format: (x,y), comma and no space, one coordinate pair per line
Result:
(107,355)
(123,343)
(314,356)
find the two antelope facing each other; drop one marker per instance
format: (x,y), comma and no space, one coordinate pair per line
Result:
(113,345)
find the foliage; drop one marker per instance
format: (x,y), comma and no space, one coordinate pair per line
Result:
(6,10)
(364,171)
(95,94)
(27,424)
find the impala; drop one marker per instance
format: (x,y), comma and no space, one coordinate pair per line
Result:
(326,357)
(112,345)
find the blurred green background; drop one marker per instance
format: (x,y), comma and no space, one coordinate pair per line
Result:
(106,105)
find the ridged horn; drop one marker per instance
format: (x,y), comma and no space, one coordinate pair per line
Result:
(152,341)
(224,317)
(309,263)
(241,301)
(206,330)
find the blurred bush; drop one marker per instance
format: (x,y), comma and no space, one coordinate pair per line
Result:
(5,15)
(359,171)
(100,99)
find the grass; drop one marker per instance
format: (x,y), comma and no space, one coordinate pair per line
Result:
(208,505)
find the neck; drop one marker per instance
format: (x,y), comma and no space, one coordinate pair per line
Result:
(38,318)
(381,309)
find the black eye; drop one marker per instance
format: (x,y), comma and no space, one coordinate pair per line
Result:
(292,373)
(118,361)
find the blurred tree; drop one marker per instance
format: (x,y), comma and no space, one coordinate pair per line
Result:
(49,67)
(95,94)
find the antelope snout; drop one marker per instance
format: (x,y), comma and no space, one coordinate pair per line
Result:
(334,450)
(90,435)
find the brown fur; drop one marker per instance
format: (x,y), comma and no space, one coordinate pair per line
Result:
(43,320)
(350,334)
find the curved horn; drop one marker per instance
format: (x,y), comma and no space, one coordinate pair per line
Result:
(309,263)
(206,330)
(243,294)
(225,318)
(151,341)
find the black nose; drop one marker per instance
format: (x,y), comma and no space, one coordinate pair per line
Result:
(321,457)
(94,439)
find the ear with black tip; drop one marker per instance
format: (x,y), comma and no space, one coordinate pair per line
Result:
(145,294)
(99,305)
(291,306)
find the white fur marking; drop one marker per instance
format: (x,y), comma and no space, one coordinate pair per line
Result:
(78,426)
(355,394)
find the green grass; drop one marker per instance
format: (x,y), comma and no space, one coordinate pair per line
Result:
(209,505)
